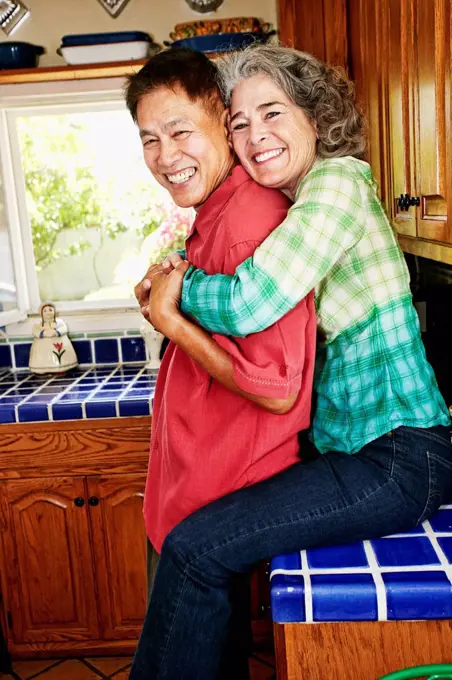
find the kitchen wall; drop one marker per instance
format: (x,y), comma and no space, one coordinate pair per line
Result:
(51,19)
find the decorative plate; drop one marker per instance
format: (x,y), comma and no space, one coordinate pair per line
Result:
(11,13)
(203,6)
(114,7)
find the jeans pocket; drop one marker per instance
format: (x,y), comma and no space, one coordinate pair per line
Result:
(439,486)
(438,434)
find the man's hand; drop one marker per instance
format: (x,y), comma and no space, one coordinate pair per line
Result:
(143,288)
(165,296)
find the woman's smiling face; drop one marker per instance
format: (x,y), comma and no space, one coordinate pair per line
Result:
(273,137)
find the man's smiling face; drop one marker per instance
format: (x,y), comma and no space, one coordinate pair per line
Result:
(185,145)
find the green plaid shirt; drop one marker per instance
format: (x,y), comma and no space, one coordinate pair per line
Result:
(372,374)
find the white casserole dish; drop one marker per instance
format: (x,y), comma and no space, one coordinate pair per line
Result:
(96,54)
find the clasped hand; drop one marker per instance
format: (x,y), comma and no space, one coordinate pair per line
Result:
(159,293)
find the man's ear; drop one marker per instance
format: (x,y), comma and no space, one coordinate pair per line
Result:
(227,124)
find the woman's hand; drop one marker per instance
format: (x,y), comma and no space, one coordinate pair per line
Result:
(164,300)
(143,288)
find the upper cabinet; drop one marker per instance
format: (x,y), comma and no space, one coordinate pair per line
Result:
(398,53)
(399,57)
(433,118)
(319,28)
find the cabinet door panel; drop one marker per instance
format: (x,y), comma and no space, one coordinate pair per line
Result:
(368,41)
(401,111)
(48,561)
(433,96)
(319,28)
(119,542)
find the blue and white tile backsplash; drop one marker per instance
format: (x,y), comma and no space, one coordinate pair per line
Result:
(111,380)
(91,348)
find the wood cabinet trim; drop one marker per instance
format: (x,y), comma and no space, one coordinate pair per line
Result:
(112,446)
(356,648)
(427,249)
(85,424)
(80,72)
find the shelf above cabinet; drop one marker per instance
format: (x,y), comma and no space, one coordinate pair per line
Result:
(81,72)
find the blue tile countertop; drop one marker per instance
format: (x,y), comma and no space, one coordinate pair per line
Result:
(93,392)
(400,577)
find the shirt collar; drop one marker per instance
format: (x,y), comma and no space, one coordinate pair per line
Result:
(210,210)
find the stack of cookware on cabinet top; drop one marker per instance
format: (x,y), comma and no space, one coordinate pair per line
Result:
(216,36)
(94,48)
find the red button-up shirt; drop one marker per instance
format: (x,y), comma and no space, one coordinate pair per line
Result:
(206,440)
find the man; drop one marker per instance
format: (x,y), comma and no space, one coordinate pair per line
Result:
(226,411)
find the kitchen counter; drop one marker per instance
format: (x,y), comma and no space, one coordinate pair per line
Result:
(87,392)
(367,608)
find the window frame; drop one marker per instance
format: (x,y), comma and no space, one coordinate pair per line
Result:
(14,231)
(39,99)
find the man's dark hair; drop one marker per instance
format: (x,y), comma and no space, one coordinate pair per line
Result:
(192,71)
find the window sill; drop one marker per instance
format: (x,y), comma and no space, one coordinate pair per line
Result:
(79,72)
(87,321)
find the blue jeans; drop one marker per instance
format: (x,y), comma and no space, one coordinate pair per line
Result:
(392,484)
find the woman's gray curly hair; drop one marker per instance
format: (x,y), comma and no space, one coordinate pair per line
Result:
(324,93)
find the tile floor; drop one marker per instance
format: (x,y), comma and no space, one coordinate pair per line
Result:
(109,668)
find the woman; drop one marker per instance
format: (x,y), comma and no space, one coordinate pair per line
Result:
(380,424)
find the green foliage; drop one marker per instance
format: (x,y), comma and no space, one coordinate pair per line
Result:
(62,194)
(149,226)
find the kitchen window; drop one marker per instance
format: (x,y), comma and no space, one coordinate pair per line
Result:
(81,217)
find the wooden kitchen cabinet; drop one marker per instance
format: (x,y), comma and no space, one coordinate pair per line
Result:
(119,548)
(398,18)
(72,560)
(72,538)
(434,147)
(399,55)
(319,28)
(400,60)
(48,561)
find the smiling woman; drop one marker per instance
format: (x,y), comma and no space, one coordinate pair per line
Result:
(272,135)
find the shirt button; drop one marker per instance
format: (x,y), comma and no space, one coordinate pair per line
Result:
(283,370)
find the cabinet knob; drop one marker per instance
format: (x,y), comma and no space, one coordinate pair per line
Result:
(93,501)
(405,201)
(79,502)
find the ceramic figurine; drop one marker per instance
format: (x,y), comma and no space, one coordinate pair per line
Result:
(153,342)
(51,351)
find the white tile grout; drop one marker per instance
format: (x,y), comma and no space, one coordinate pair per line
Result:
(309,614)
(439,551)
(382,606)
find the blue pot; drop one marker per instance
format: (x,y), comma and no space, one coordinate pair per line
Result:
(15,54)
(222,42)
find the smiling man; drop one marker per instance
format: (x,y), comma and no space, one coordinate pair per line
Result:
(226,411)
